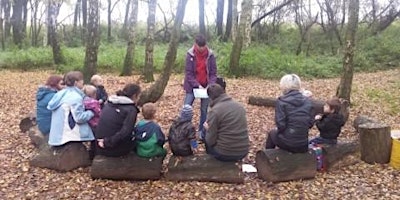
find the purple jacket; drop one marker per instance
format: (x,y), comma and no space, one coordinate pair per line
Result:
(93,105)
(190,81)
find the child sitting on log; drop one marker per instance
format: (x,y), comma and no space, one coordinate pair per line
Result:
(149,137)
(101,93)
(329,123)
(91,103)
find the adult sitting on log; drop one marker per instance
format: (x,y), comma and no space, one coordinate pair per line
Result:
(293,118)
(227,136)
(117,122)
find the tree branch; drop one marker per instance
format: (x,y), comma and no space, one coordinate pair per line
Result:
(270,12)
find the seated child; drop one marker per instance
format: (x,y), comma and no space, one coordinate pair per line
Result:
(149,137)
(329,123)
(92,104)
(101,93)
(182,134)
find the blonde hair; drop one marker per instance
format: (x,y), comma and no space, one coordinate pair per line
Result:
(290,82)
(90,91)
(149,110)
(95,78)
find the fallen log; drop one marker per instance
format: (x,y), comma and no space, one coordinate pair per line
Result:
(129,167)
(37,138)
(26,123)
(62,158)
(335,154)
(203,168)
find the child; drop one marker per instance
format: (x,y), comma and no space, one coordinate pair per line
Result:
(148,134)
(182,134)
(92,104)
(101,93)
(330,123)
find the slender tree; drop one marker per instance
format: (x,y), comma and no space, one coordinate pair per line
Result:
(110,9)
(17,22)
(202,25)
(130,50)
(77,16)
(7,21)
(234,68)
(126,19)
(344,88)
(53,9)
(229,21)
(1,25)
(234,19)
(151,22)
(84,20)
(157,89)
(92,41)
(220,18)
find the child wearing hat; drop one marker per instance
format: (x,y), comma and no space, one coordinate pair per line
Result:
(329,123)
(182,133)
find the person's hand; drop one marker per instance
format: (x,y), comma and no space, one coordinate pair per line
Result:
(100,142)
(205,125)
(318,117)
(201,87)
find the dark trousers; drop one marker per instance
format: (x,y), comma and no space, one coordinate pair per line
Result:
(274,141)
(225,158)
(320,140)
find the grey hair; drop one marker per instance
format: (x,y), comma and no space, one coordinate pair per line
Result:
(290,82)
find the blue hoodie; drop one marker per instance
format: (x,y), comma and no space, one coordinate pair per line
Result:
(69,118)
(43,115)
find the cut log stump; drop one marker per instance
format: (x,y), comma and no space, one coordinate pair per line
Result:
(203,168)
(335,154)
(276,165)
(129,167)
(63,158)
(375,142)
(362,119)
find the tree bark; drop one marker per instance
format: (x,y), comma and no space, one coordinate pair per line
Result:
(17,23)
(229,21)
(3,46)
(202,25)
(234,20)
(234,67)
(84,21)
(77,16)
(110,9)
(203,168)
(126,19)
(52,13)
(344,88)
(7,21)
(34,23)
(92,41)
(375,143)
(220,18)
(151,22)
(157,89)
(130,50)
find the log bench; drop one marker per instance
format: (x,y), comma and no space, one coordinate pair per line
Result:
(203,168)
(129,167)
(276,165)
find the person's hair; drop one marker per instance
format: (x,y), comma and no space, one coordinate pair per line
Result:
(334,104)
(95,78)
(290,82)
(149,110)
(129,90)
(53,81)
(201,40)
(214,91)
(71,77)
(90,90)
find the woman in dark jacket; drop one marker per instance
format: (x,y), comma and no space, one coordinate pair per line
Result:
(293,118)
(117,122)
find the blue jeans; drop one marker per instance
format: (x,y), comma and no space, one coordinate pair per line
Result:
(189,98)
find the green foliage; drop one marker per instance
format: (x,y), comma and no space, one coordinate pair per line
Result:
(388,99)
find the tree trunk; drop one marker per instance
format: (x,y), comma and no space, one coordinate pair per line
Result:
(7,22)
(24,16)
(247,30)
(130,50)
(203,168)
(126,19)
(84,21)
(34,23)
(228,27)
(344,88)
(151,22)
(92,41)
(1,25)
(202,25)
(375,143)
(157,89)
(237,45)
(52,13)
(77,16)
(16,20)
(109,39)
(234,20)
(220,18)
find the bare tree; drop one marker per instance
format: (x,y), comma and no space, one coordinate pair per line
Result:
(84,20)
(202,25)
(1,25)
(304,21)
(6,5)
(92,41)
(130,50)
(229,21)
(53,9)
(234,19)
(151,22)
(156,90)
(344,88)
(110,9)
(220,17)
(238,44)
(77,16)
(258,20)
(126,19)
(17,21)
(381,15)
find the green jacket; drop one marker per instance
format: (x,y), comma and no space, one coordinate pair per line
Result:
(149,139)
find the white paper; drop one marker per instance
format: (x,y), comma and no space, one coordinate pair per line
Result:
(200,93)
(247,168)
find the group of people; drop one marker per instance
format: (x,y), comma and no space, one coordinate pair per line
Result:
(69,111)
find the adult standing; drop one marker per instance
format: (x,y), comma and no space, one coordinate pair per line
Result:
(293,117)
(227,137)
(43,96)
(200,71)
(117,122)
(69,118)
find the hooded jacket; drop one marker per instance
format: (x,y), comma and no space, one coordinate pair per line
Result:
(330,125)
(181,133)
(116,124)
(190,81)
(149,139)
(293,119)
(43,115)
(69,118)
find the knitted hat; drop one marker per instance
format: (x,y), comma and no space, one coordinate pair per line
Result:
(186,113)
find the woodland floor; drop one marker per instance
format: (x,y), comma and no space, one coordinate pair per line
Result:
(374,94)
